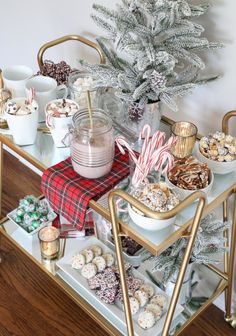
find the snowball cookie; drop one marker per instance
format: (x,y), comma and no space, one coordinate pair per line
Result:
(146,320)
(155,309)
(97,250)
(100,263)
(88,255)
(148,289)
(89,271)
(78,261)
(142,297)
(134,305)
(109,259)
(160,300)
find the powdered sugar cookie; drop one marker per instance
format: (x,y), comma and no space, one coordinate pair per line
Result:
(142,297)
(146,320)
(155,309)
(160,300)
(89,270)
(100,263)
(109,259)
(148,289)
(97,250)
(134,305)
(78,261)
(88,255)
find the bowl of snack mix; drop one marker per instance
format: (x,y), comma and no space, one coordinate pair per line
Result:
(189,175)
(218,150)
(158,197)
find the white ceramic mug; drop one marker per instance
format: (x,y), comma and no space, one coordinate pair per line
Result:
(59,127)
(23,127)
(15,77)
(46,89)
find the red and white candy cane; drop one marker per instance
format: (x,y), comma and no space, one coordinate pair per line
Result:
(31,94)
(165,158)
(121,142)
(145,133)
(49,115)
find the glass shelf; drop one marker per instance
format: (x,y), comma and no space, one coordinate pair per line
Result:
(44,150)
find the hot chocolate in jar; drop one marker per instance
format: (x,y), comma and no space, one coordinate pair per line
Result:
(92,145)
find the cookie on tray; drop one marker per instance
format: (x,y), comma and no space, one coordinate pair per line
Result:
(134,305)
(155,309)
(89,271)
(142,297)
(108,295)
(88,255)
(78,261)
(146,320)
(100,263)
(97,250)
(110,260)
(148,289)
(160,300)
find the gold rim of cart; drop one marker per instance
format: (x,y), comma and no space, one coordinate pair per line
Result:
(66,38)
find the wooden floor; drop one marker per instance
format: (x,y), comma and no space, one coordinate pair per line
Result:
(19,181)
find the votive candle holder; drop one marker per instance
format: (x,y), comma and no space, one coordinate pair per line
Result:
(186,134)
(49,238)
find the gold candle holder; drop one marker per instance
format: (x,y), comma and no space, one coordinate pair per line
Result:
(186,134)
(49,238)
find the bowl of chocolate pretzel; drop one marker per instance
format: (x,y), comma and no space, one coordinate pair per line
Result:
(158,197)
(189,175)
(218,150)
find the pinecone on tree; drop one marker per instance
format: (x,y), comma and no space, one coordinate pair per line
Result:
(158,81)
(135,111)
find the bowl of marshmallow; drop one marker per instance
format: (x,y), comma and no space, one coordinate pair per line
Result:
(218,150)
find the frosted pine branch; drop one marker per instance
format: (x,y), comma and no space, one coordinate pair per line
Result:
(155,36)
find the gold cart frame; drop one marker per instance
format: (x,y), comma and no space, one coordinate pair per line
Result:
(188,230)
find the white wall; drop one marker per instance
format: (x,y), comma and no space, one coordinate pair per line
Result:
(26,25)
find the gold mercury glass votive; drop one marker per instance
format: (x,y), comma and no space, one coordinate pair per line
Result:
(49,238)
(186,134)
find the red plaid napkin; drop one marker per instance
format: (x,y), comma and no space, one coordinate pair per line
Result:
(69,194)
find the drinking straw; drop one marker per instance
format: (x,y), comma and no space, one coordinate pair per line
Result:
(89,109)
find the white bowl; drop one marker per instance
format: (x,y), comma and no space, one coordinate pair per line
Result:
(184,193)
(216,166)
(150,224)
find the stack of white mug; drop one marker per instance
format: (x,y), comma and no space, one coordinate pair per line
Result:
(20,81)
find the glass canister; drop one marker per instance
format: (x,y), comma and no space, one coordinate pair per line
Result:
(79,83)
(92,146)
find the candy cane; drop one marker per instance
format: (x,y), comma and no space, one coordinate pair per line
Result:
(167,158)
(145,133)
(121,142)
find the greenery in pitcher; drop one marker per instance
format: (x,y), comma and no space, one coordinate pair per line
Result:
(151,49)
(208,247)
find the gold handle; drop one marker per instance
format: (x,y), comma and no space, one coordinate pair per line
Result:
(64,39)
(225,121)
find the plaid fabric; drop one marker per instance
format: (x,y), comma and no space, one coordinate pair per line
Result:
(69,194)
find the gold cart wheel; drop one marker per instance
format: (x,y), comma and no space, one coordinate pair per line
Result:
(64,39)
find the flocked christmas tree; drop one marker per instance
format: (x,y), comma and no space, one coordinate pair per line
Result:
(207,249)
(151,47)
